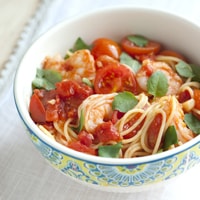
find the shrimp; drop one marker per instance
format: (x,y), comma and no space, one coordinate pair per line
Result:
(149,67)
(79,65)
(175,116)
(97,108)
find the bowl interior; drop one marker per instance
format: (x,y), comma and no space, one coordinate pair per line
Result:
(173,31)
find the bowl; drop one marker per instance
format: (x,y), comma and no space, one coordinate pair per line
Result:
(110,174)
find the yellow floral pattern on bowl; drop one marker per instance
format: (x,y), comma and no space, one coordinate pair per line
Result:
(119,176)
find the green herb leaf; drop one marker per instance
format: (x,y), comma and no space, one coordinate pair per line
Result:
(87,82)
(192,122)
(124,101)
(170,137)
(81,123)
(46,78)
(157,84)
(80,44)
(196,72)
(129,61)
(110,151)
(184,69)
(138,40)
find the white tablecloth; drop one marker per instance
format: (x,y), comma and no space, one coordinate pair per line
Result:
(23,172)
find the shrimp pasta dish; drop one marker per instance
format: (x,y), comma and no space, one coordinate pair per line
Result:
(117,99)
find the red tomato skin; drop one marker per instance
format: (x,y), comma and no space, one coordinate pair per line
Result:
(153,130)
(130,48)
(36,109)
(184,96)
(105,46)
(51,113)
(106,132)
(104,60)
(114,78)
(85,138)
(78,146)
(71,88)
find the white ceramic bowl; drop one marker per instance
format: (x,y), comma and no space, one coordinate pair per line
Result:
(121,175)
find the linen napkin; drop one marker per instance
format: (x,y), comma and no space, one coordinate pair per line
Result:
(24,174)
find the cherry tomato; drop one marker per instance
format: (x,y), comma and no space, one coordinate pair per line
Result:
(143,57)
(105,46)
(114,78)
(51,113)
(132,49)
(104,60)
(106,132)
(78,146)
(197,98)
(153,130)
(71,88)
(36,109)
(85,138)
(172,53)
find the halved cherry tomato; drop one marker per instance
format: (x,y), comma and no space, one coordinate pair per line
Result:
(171,53)
(104,60)
(197,98)
(132,49)
(36,109)
(105,46)
(114,78)
(153,130)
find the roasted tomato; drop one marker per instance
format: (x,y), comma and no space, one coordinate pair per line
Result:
(114,78)
(37,110)
(105,46)
(132,49)
(106,132)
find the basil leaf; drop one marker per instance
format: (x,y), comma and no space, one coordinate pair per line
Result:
(184,69)
(129,61)
(196,72)
(110,151)
(138,40)
(87,82)
(192,122)
(81,123)
(124,101)
(46,78)
(80,44)
(157,84)
(170,137)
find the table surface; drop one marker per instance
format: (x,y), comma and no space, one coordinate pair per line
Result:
(13,17)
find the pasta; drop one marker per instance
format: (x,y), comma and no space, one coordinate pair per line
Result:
(124,101)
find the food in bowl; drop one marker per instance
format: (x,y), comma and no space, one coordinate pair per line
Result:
(119,99)
(110,174)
